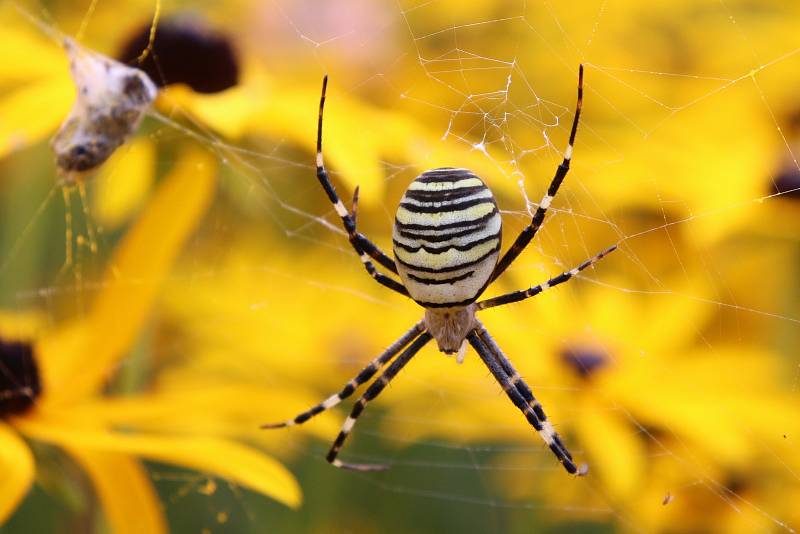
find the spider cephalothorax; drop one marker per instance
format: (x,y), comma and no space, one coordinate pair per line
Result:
(446,241)
(450,326)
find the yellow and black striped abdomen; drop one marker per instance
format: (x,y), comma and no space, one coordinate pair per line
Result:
(446,237)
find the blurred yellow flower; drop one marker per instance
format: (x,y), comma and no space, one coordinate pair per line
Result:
(654,407)
(258,105)
(672,381)
(637,365)
(62,375)
(263,105)
(615,370)
(36,88)
(263,306)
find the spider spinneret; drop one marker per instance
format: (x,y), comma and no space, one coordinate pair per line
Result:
(446,242)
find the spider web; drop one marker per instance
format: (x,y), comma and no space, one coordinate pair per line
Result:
(497,84)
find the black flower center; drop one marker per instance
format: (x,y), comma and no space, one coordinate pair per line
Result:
(787,182)
(19,378)
(585,360)
(185,50)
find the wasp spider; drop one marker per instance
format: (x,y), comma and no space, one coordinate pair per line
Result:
(446,246)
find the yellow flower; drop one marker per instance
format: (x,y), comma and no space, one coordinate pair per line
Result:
(654,389)
(36,89)
(107,435)
(263,105)
(631,363)
(273,325)
(671,125)
(259,105)
(605,363)
(644,397)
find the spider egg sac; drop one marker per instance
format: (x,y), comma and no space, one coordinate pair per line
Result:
(111,101)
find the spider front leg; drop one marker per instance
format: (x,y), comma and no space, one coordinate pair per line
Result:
(532,410)
(372,392)
(538,217)
(363,246)
(516,296)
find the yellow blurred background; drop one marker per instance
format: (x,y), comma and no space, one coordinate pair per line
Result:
(208,288)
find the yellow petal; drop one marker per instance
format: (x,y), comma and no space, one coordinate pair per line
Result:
(228,112)
(192,406)
(33,112)
(615,450)
(224,458)
(34,56)
(56,353)
(704,396)
(123,487)
(139,265)
(356,155)
(21,325)
(123,182)
(291,113)
(17,468)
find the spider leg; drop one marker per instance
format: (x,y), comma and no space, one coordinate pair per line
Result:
(516,296)
(363,246)
(372,391)
(525,391)
(538,217)
(361,240)
(362,377)
(354,206)
(527,406)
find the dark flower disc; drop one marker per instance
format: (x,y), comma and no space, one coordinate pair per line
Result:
(786,182)
(19,378)
(584,361)
(185,50)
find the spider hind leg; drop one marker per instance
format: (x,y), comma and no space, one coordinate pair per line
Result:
(362,377)
(372,392)
(520,394)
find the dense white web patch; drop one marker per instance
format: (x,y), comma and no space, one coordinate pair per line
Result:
(111,101)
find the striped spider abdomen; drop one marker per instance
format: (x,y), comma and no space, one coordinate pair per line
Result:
(446,238)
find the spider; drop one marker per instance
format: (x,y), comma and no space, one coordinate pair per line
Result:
(446,241)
